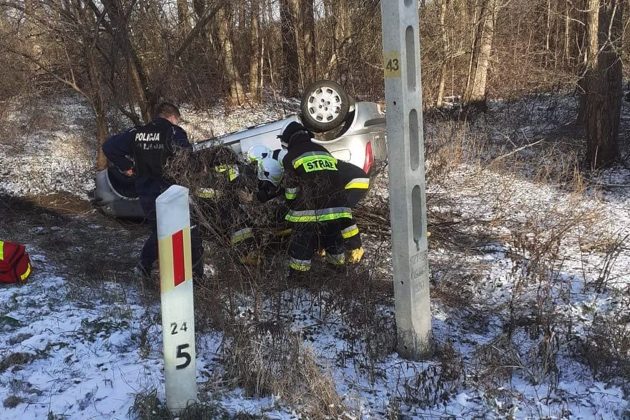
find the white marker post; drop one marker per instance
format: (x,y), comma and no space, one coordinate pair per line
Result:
(407,196)
(178,315)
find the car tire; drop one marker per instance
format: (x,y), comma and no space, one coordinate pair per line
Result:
(325,105)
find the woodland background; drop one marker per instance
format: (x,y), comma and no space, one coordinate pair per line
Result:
(130,54)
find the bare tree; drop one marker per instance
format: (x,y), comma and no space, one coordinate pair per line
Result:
(183,17)
(226,46)
(255,60)
(119,28)
(289,47)
(481,50)
(603,82)
(309,64)
(445,52)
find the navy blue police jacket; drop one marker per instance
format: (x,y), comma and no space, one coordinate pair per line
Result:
(146,149)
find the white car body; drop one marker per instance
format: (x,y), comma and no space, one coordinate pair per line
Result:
(361,141)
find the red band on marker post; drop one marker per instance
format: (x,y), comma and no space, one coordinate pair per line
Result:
(179,273)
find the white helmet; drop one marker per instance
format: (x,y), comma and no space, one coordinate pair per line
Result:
(278,155)
(269,169)
(257,152)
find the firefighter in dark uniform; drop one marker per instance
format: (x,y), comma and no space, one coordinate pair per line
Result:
(143,152)
(351,180)
(227,184)
(316,207)
(355,183)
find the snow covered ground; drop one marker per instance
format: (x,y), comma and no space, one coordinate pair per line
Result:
(530,300)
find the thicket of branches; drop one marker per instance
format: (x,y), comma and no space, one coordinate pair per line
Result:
(130,54)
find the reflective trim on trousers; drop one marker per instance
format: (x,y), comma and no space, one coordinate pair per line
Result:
(1,250)
(350,231)
(232,171)
(320,215)
(299,265)
(241,235)
(358,183)
(206,193)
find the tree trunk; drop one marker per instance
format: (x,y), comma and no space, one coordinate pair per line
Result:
(567,33)
(308,40)
(183,16)
(227,48)
(255,48)
(592,28)
(444,65)
(476,89)
(135,71)
(289,49)
(590,55)
(548,34)
(604,88)
(100,109)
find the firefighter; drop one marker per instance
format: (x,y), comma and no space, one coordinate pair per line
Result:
(142,152)
(257,153)
(270,173)
(351,179)
(355,183)
(315,207)
(222,202)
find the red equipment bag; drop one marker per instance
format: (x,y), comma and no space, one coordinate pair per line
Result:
(15,265)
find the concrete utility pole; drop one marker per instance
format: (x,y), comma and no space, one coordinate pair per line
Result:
(407,196)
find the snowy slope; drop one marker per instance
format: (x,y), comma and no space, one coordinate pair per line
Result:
(86,349)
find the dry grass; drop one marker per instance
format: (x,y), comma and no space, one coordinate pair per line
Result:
(606,346)
(253,305)
(267,359)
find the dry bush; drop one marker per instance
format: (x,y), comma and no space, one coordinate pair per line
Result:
(606,347)
(147,406)
(448,145)
(252,306)
(534,137)
(267,359)
(534,329)
(436,382)
(527,351)
(612,247)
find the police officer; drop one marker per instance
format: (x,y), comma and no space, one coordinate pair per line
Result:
(315,205)
(143,152)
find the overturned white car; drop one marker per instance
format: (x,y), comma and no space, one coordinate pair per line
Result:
(351,131)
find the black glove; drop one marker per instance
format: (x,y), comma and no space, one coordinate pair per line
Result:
(262,196)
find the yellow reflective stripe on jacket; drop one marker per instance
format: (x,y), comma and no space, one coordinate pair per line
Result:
(316,161)
(322,215)
(1,250)
(26,273)
(350,231)
(232,171)
(241,235)
(291,193)
(358,183)
(299,265)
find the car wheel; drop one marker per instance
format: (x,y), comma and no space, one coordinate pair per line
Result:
(324,106)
